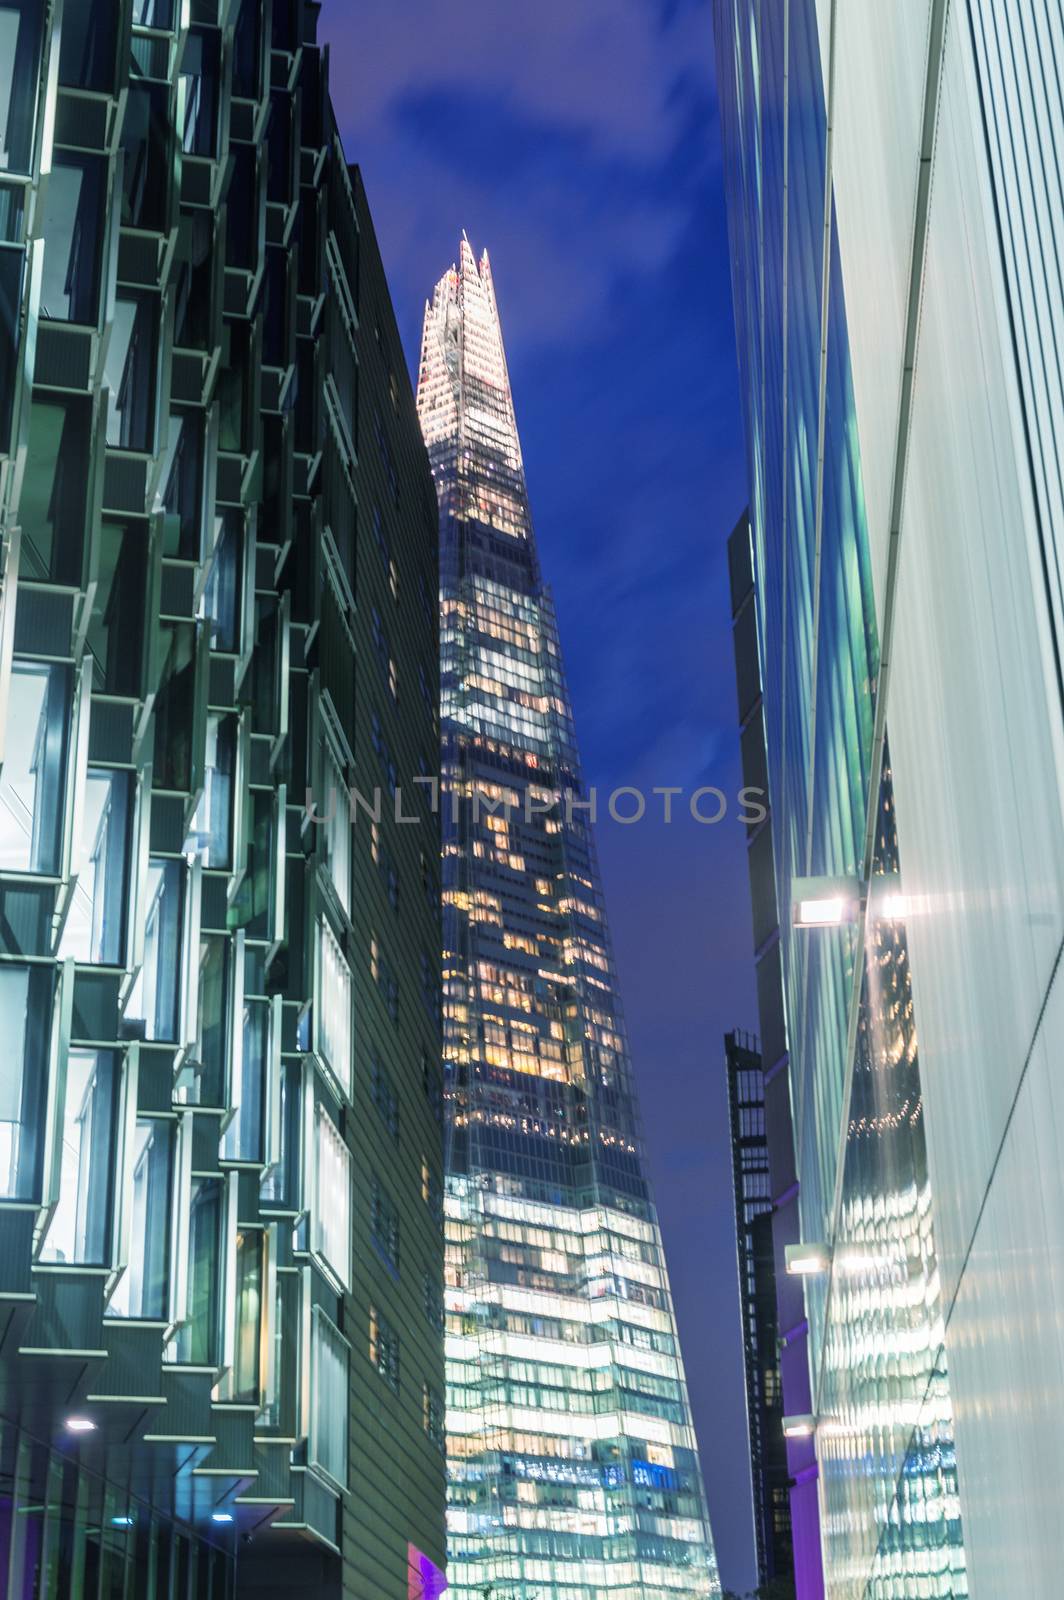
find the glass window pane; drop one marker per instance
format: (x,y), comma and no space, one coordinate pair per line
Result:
(183,497)
(96,922)
(338,830)
(12,263)
(129,374)
(32,780)
(332,1197)
(26,995)
(146,142)
(197,1342)
(20,47)
(88,47)
(55,492)
(80,1229)
(243,1137)
(199,76)
(174,708)
(116,629)
(327,1432)
(73,233)
(155,994)
(279,1186)
(144,1288)
(211,832)
(212,1044)
(221,594)
(334,1024)
(247,1370)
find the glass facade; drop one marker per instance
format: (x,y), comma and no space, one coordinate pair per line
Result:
(892,181)
(572,1462)
(195,335)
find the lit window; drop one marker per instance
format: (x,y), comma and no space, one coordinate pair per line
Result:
(144,1288)
(332,1197)
(337,829)
(384,1349)
(334,1008)
(25,1026)
(210,835)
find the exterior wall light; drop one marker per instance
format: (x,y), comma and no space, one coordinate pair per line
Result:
(808,1260)
(824,902)
(221,1516)
(80,1425)
(802,1426)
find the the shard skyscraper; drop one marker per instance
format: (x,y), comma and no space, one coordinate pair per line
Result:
(572,1461)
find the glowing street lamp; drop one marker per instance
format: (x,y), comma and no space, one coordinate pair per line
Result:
(808,1260)
(824,902)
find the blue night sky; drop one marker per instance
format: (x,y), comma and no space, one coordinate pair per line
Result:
(578,140)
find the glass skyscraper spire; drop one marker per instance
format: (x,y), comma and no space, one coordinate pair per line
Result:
(572,1463)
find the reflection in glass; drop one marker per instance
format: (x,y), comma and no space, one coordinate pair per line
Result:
(154,999)
(25,1027)
(332,1196)
(95,925)
(20,45)
(197,1341)
(220,596)
(129,373)
(117,624)
(210,835)
(334,999)
(73,232)
(327,1433)
(243,1137)
(247,1370)
(80,1229)
(212,1043)
(144,1288)
(31,783)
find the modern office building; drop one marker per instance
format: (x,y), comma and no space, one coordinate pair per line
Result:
(573,1470)
(220,1259)
(893,182)
(754,1208)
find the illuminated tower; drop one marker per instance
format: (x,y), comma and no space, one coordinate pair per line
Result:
(572,1462)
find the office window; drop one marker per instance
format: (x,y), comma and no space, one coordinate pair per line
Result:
(155,994)
(129,373)
(212,1041)
(385,1098)
(73,232)
(243,1139)
(146,144)
(183,496)
(334,1007)
(175,708)
(26,995)
(88,45)
(384,1226)
(247,1367)
(279,1186)
(432,1415)
(80,1229)
(327,1433)
(337,829)
(20,45)
(198,1341)
(221,595)
(211,833)
(200,78)
(332,1196)
(34,770)
(144,1288)
(384,1348)
(432,1300)
(96,922)
(116,627)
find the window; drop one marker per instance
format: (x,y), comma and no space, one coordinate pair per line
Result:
(384,1349)
(26,995)
(332,1196)
(55,494)
(116,627)
(221,595)
(154,998)
(20,45)
(144,1288)
(337,830)
(243,1139)
(96,922)
(385,1098)
(327,1433)
(34,770)
(183,496)
(432,1415)
(80,1229)
(198,1341)
(334,1007)
(129,373)
(199,78)
(247,1368)
(212,1041)
(211,833)
(175,708)
(146,145)
(384,1226)
(73,230)
(432,1301)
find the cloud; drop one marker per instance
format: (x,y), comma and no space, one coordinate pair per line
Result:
(545,129)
